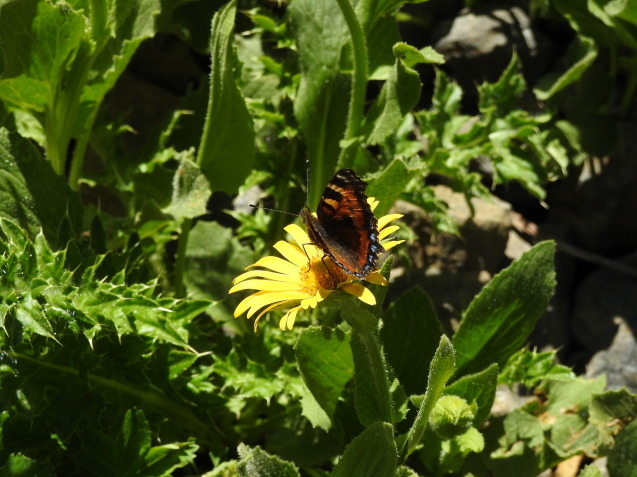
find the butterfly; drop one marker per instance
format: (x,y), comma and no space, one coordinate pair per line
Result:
(345,228)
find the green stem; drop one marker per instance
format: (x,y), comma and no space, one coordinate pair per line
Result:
(370,365)
(359,83)
(180,263)
(373,396)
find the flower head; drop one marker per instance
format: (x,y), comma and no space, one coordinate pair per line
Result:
(304,277)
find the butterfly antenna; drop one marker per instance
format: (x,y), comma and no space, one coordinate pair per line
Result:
(258,206)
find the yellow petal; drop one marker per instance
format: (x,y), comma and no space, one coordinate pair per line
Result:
(303,240)
(292,253)
(281,277)
(264,285)
(259,301)
(246,303)
(256,320)
(387,231)
(377,279)
(385,219)
(373,203)
(310,302)
(360,292)
(288,319)
(391,244)
(277,264)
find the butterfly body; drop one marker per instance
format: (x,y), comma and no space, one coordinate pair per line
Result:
(345,228)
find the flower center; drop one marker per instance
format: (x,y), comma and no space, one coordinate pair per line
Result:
(322,273)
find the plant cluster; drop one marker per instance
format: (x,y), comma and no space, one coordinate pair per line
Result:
(119,351)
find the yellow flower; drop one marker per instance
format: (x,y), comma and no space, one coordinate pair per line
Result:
(304,277)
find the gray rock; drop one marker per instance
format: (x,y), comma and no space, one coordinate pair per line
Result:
(618,362)
(480,41)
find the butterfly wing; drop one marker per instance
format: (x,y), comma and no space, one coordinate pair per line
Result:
(346,228)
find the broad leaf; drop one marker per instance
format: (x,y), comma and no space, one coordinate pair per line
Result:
(31,193)
(399,95)
(323,96)
(499,320)
(410,334)
(325,361)
(227,146)
(371,453)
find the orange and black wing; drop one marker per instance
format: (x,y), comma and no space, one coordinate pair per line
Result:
(346,228)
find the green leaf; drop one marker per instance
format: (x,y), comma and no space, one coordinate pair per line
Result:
(503,95)
(530,367)
(441,369)
(212,264)
(129,453)
(31,193)
(454,451)
(399,95)
(61,60)
(258,463)
(191,190)
(574,394)
(500,318)
(622,459)
(477,388)
(326,364)
(322,99)
(612,405)
(18,465)
(387,186)
(581,54)
(227,146)
(29,312)
(373,452)
(39,41)
(410,335)
(591,470)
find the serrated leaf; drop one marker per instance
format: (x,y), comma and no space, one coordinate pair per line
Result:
(530,367)
(227,146)
(373,452)
(410,334)
(325,361)
(29,312)
(500,318)
(258,463)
